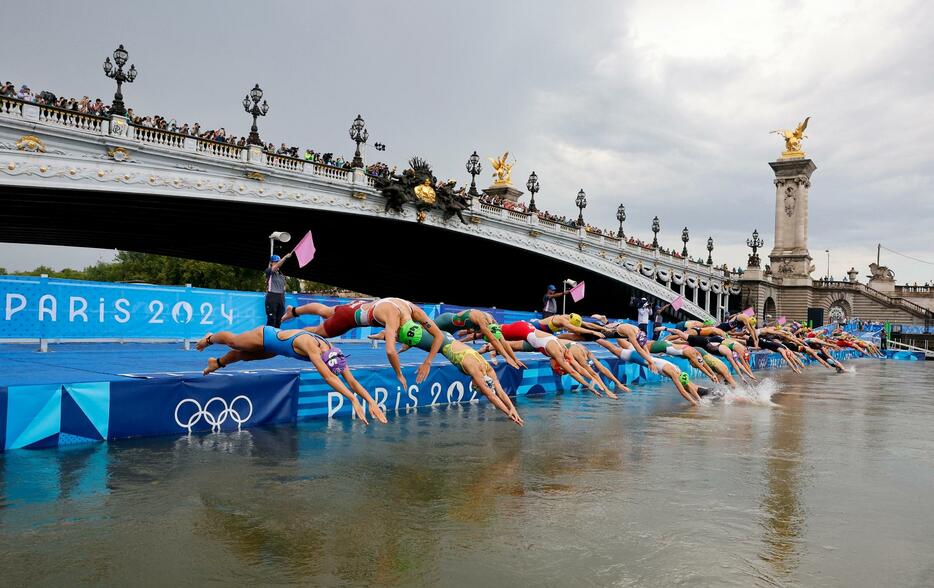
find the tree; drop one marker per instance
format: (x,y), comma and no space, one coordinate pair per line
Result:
(130,266)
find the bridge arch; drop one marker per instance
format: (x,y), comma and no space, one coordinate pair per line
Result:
(113,185)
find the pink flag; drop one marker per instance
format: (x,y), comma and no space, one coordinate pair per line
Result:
(577,292)
(782,320)
(677,303)
(305,250)
(749,312)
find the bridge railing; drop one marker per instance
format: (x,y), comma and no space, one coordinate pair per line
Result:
(159,137)
(72,119)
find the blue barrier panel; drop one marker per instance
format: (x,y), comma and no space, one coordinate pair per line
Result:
(34,308)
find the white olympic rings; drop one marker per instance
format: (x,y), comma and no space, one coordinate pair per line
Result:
(209,418)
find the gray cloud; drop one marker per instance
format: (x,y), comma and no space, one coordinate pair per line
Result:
(664,107)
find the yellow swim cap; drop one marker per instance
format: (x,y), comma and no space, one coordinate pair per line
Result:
(576,319)
(752,321)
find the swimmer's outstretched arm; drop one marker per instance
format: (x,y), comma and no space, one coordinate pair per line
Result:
(314,355)
(585,370)
(606,372)
(507,353)
(375,411)
(389,335)
(419,316)
(634,341)
(476,375)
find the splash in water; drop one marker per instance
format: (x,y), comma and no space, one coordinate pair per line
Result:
(757,395)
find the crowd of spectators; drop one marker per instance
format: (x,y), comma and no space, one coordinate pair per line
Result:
(503,203)
(84,105)
(97,107)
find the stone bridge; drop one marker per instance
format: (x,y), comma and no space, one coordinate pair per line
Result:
(73,179)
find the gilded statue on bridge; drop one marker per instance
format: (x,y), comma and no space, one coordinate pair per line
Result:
(502,170)
(793,140)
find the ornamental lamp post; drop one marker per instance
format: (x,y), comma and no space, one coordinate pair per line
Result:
(120,57)
(473,168)
(359,134)
(581,202)
(685,237)
(252,106)
(656,227)
(709,250)
(755,243)
(533,188)
(621,216)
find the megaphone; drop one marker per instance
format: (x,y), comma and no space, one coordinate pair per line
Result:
(281,236)
(570,282)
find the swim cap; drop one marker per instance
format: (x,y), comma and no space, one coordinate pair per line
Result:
(575,319)
(684,378)
(274,258)
(708,323)
(497,332)
(335,360)
(411,333)
(752,321)
(556,367)
(641,338)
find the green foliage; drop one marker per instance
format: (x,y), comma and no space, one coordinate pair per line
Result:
(159,269)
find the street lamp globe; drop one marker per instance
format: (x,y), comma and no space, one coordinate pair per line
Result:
(256,94)
(120,56)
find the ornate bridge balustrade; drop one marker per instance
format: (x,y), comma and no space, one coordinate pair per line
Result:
(63,150)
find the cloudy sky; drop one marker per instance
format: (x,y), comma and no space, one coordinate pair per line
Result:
(665,107)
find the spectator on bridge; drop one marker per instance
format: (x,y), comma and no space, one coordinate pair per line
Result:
(550,304)
(275,291)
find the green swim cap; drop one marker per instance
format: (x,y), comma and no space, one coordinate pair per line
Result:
(708,323)
(684,378)
(411,333)
(497,332)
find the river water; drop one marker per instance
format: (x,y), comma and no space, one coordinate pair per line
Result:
(828,483)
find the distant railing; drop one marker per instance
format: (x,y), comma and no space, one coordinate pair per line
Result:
(158,137)
(285,162)
(332,173)
(11,106)
(219,149)
(73,119)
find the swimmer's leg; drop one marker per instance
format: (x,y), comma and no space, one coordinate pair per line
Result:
(316,308)
(233,356)
(251,340)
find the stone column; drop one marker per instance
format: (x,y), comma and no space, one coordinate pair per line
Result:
(790,258)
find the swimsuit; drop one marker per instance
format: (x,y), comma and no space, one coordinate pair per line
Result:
(659,347)
(273,344)
(546,327)
(453,322)
(346,317)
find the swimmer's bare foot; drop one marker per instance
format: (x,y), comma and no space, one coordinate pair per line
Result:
(213,366)
(204,343)
(289,314)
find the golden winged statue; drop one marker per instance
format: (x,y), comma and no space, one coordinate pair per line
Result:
(502,170)
(793,140)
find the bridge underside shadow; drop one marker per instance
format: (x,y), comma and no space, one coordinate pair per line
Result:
(376,255)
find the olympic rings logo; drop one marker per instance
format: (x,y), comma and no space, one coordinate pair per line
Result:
(226,411)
